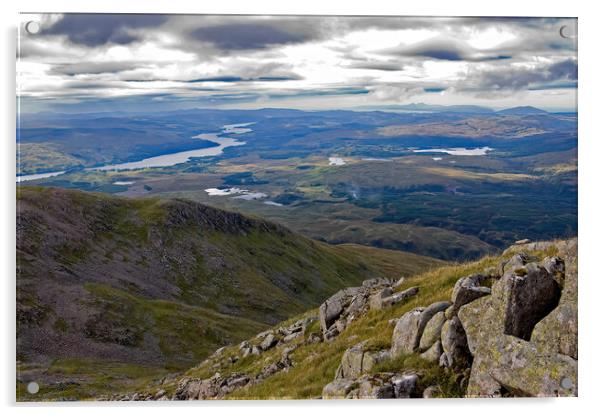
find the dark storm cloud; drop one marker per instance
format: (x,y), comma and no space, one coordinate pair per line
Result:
(92,68)
(99,29)
(444,49)
(377,66)
(512,78)
(246,36)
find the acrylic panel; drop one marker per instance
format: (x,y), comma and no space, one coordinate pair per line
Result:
(295,207)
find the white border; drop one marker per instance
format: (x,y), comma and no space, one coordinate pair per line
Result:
(590,231)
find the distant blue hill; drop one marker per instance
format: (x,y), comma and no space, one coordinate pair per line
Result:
(526,110)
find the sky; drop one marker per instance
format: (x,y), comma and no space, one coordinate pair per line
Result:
(128,62)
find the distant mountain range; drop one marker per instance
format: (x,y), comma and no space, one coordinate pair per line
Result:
(471,109)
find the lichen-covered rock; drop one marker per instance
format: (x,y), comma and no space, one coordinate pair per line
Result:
(499,326)
(386,298)
(269,342)
(433,354)
(406,333)
(527,296)
(376,299)
(455,344)
(517,261)
(400,297)
(432,331)
(409,328)
(339,388)
(515,366)
(331,309)
(557,332)
(433,391)
(467,289)
(375,387)
(342,308)
(357,360)
(404,386)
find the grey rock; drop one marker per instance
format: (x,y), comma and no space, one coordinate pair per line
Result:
(338,388)
(433,391)
(455,344)
(528,298)
(375,387)
(433,354)
(432,331)
(269,342)
(404,386)
(356,361)
(376,299)
(467,289)
(406,333)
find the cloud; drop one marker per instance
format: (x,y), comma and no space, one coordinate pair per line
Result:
(512,78)
(92,68)
(100,29)
(440,48)
(246,36)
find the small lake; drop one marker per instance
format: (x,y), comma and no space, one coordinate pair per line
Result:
(458,151)
(336,161)
(231,191)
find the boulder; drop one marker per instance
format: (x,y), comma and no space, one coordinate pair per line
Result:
(455,344)
(375,387)
(406,333)
(517,261)
(433,354)
(517,367)
(404,386)
(557,332)
(409,328)
(499,326)
(433,391)
(528,296)
(269,342)
(341,309)
(376,299)
(338,388)
(467,289)
(357,360)
(377,283)
(432,331)
(400,297)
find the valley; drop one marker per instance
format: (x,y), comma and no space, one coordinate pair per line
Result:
(450,193)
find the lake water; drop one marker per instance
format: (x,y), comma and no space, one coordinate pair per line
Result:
(458,151)
(166,160)
(336,161)
(242,193)
(120,183)
(28,177)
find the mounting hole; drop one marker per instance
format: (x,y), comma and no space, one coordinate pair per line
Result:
(33,387)
(566,383)
(32,27)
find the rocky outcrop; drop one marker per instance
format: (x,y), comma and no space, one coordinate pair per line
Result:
(358,360)
(350,303)
(466,290)
(522,338)
(409,329)
(373,386)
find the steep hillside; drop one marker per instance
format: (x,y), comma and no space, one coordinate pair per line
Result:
(129,288)
(499,327)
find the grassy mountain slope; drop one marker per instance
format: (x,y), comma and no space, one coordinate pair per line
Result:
(314,364)
(111,290)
